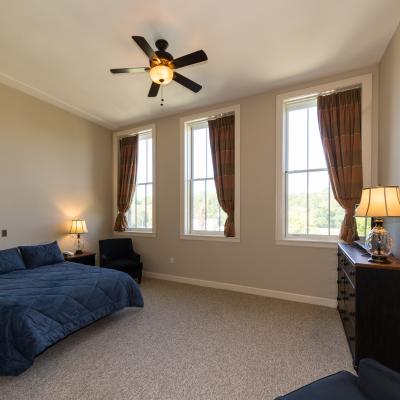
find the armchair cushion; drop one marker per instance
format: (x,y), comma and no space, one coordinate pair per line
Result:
(122,263)
(342,385)
(377,381)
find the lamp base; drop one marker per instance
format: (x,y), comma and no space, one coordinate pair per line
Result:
(379,243)
(78,252)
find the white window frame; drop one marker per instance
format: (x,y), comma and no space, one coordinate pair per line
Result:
(185,182)
(368,158)
(117,136)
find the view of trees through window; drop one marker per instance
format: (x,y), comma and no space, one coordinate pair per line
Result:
(140,214)
(206,214)
(311,208)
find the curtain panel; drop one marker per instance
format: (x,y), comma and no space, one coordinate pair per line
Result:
(127,172)
(339,118)
(222,143)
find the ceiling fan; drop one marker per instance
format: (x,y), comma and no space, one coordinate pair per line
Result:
(163,65)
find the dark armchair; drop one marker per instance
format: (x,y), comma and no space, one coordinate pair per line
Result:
(119,254)
(374,382)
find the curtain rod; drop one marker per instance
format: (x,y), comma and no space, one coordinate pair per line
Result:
(313,96)
(220,115)
(212,117)
(339,90)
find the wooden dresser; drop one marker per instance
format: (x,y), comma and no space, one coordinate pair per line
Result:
(369,305)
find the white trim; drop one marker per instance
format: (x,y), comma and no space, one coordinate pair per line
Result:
(116,138)
(183,203)
(275,294)
(136,233)
(48,98)
(216,238)
(307,243)
(368,157)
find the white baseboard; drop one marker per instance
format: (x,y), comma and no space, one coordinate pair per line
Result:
(276,294)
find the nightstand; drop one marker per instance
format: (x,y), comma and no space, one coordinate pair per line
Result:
(86,258)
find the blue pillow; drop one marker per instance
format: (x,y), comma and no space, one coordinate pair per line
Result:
(10,260)
(41,254)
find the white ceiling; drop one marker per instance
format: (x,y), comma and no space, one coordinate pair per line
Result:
(61,51)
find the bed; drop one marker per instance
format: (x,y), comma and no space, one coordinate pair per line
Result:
(40,306)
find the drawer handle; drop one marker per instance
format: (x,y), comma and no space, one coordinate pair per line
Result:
(338,298)
(342,311)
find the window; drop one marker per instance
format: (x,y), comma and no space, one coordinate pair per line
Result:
(141,214)
(202,214)
(306,208)
(311,209)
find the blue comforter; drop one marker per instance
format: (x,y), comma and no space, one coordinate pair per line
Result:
(39,307)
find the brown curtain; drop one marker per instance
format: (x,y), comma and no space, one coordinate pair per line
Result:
(127,171)
(339,117)
(222,143)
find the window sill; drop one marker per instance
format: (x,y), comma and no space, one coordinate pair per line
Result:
(307,243)
(212,238)
(136,233)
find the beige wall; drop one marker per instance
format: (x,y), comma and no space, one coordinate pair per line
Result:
(389,125)
(53,167)
(256,261)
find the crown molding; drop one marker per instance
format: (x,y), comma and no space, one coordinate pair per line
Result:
(41,95)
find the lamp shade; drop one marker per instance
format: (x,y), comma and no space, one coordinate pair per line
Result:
(78,226)
(382,201)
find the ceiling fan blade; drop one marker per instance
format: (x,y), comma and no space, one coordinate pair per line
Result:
(189,59)
(188,83)
(144,45)
(128,70)
(154,88)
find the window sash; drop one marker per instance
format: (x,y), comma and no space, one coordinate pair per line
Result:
(288,107)
(145,136)
(189,162)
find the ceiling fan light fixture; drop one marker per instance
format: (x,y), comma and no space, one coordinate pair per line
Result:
(161,74)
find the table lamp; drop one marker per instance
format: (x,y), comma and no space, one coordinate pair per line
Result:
(379,202)
(78,227)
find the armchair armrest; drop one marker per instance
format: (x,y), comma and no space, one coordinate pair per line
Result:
(136,257)
(378,382)
(103,260)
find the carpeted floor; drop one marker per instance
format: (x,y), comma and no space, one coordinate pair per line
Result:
(190,343)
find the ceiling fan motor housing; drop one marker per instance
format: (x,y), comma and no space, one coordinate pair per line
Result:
(164,58)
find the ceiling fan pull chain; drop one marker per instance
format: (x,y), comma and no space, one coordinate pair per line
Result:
(162,96)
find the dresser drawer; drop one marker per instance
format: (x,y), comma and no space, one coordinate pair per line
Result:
(347,267)
(341,290)
(350,331)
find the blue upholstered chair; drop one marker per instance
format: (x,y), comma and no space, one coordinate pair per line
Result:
(374,382)
(119,254)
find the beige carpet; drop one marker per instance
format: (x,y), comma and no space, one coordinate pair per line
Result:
(190,343)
